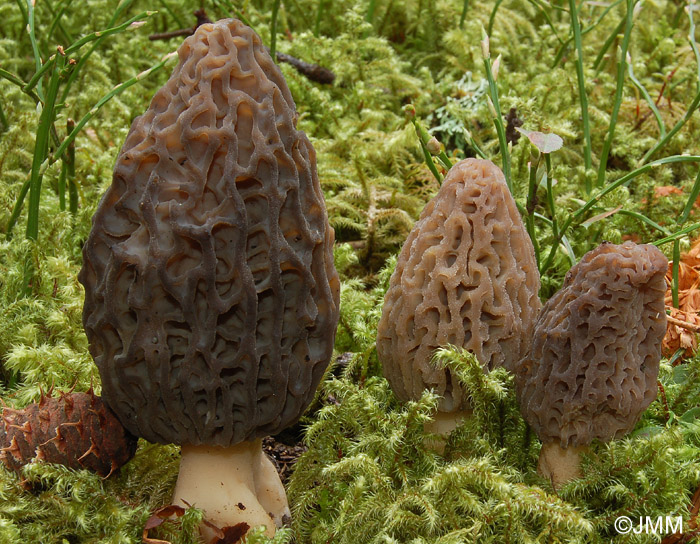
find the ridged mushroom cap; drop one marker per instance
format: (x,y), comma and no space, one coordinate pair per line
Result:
(466,276)
(594,361)
(211,297)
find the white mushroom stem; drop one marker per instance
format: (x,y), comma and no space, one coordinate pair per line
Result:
(443,424)
(232,485)
(560,465)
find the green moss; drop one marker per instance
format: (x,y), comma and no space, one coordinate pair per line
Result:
(368,476)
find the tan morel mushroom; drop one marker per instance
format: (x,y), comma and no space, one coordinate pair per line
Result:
(594,360)
(211,296)
(466,276)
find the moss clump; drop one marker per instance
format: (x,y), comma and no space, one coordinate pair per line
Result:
(368,476)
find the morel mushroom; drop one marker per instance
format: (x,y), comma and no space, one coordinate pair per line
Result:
(73,429)
(211,299)
(594,361)
(466,276)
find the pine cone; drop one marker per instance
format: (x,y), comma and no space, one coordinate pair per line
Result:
(74,429)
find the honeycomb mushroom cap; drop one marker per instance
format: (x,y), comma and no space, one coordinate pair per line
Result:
(466,276)
(211,297)
(594,361)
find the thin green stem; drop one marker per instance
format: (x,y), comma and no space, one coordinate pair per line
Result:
(12,78)
(621,71)
(564,240)
(492,17)
(114,92)
(608,43)
(57,21)
(550,196)
(646,220)
(23,9)
(583,99)
(692,198)
(75,46)
(423,138)
(174,15)
(17,209)
(370,11)
(273,30)
(679,125)
(530,207)
(498,121)
(547,18)
(70,172)
(691,37)
(36,78)
(465,5)
(647,97)
(676,235)
(62,186)
(589,28)
(476,147)
(41,149)
(317,23)
(35,47)
(4,125)
(123,5)
(578,215)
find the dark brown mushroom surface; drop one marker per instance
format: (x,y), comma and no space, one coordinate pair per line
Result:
(594,361)
(211,296)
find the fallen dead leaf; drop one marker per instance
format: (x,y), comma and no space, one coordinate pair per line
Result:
(680,338)
(158,518)
(666,190)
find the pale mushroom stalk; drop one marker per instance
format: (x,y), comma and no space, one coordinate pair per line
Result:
(594,360)
(466,276)
(442,425)
(232,485)
(211,298)
(560,465)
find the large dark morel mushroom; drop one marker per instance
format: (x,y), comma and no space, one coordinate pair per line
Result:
(466,276)
(211,299)
(593,365)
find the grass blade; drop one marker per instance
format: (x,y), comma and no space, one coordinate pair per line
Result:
(601,54)
(465,5)
(692,197)
(114,92)
(583,98)
(35,48)
(36,78)
(41,149)
(578,215)
(620,84)
(647,97)
(679,125)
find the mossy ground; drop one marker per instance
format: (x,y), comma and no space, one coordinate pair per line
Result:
(367,476)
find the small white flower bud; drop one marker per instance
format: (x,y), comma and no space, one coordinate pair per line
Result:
(433,146)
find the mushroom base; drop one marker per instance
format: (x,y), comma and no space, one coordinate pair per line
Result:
(232,485)
(560,465)
(443,424)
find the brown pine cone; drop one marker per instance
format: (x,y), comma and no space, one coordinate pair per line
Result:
(74,429)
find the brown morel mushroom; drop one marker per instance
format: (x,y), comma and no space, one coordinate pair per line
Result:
(72,429)
(466,276)
(594,360)
(211,299)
